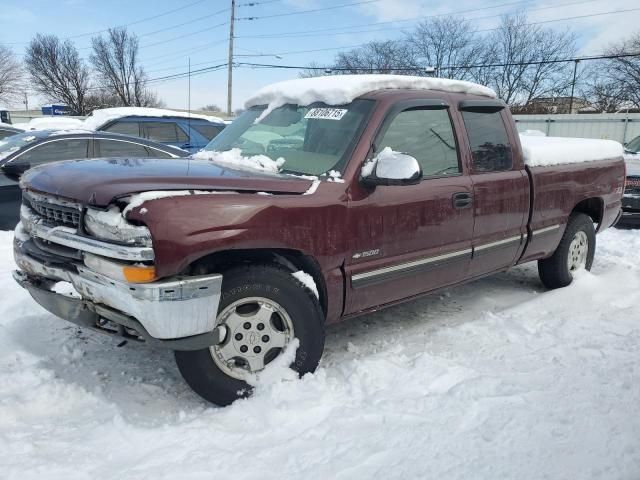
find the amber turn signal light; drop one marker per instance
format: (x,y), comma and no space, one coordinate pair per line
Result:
(141,274)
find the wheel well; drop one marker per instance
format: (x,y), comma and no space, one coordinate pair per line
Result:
(291,259)
(594,207)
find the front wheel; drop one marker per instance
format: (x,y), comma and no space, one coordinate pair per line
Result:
(575,252)
(262,309)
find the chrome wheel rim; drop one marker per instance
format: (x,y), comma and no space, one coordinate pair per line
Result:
(578,250)
(256,331)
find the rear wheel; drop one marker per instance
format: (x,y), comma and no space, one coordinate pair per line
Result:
(575,252)
(262,309)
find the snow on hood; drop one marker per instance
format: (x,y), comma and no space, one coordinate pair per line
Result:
(104,115)
(50,123)
(342,89)
(233,158)
(542,151)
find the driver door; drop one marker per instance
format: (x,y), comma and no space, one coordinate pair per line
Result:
(409,239)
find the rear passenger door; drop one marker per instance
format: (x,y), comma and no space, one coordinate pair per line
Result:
(406,240)
(500,188)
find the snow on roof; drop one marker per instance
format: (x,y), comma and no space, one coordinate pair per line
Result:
(50,123)
(341,89)
(99,117)
(542,151)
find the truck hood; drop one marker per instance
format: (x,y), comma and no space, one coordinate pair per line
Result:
(98,182)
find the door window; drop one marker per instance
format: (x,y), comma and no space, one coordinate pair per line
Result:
(164,132)
(125,128)
(490,147)
(207,131)
(426,135)
(114,148)
(56,150)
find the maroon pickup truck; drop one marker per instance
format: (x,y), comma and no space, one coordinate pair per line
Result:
(307,210)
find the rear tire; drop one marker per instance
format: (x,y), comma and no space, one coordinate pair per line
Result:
(249,296)
(575,251)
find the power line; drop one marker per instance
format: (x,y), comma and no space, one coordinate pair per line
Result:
(325,32)
(458,67)
(142,20)
(411,19)
(171,27)
(313,10)
(179,37)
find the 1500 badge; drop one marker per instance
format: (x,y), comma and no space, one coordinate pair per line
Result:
(368,253)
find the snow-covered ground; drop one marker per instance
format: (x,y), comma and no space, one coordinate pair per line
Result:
(496,379)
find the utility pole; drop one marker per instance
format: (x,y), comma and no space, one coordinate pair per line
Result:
(573,85)
(230,61)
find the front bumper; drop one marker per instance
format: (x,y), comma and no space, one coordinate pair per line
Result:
(161,312)
(630,210)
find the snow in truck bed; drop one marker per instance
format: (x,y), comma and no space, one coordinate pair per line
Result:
(342,89)
(542,151)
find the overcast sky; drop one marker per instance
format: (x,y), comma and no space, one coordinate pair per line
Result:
(199,32)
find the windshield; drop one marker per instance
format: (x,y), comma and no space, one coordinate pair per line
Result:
(312,139)
(633,145)
(14,143)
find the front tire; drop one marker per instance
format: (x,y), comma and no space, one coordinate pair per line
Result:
(262,308)
(575,251)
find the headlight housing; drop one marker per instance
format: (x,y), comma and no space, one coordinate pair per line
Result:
(110,225)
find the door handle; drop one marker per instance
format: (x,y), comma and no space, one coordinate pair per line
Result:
(462,200)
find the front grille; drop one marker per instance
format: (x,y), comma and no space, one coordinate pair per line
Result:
(54,213)
(633,186)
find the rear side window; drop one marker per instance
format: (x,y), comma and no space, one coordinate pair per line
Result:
(490,147)
(57,150)
(207,131)
(426,135)
(125,128)
(114,148)
(164,132)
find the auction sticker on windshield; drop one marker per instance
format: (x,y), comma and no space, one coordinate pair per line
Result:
(326,113)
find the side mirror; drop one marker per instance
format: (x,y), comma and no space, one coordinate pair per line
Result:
(15,170)
(391,168)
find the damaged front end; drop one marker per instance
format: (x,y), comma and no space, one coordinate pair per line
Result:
(110,264)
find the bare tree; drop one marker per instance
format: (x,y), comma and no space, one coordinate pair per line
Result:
(624,72)
(211,108)
(314,70)
(389,56)
(524,58)
(445,43)
(115,60)
(57,72)
(10,75)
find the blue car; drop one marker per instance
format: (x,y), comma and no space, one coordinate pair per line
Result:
(189,134)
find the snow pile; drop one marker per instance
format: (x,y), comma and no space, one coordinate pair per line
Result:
(343,89)
(495,379)
(138,199)
(234,159)
(307,281)
(542,151)
(51,123)
(104,115)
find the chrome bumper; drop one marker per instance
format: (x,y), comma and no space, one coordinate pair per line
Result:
(169,309)
(68,237)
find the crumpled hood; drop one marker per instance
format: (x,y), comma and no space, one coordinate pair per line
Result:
(99,181)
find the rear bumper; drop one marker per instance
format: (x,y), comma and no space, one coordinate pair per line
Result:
(180,312)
